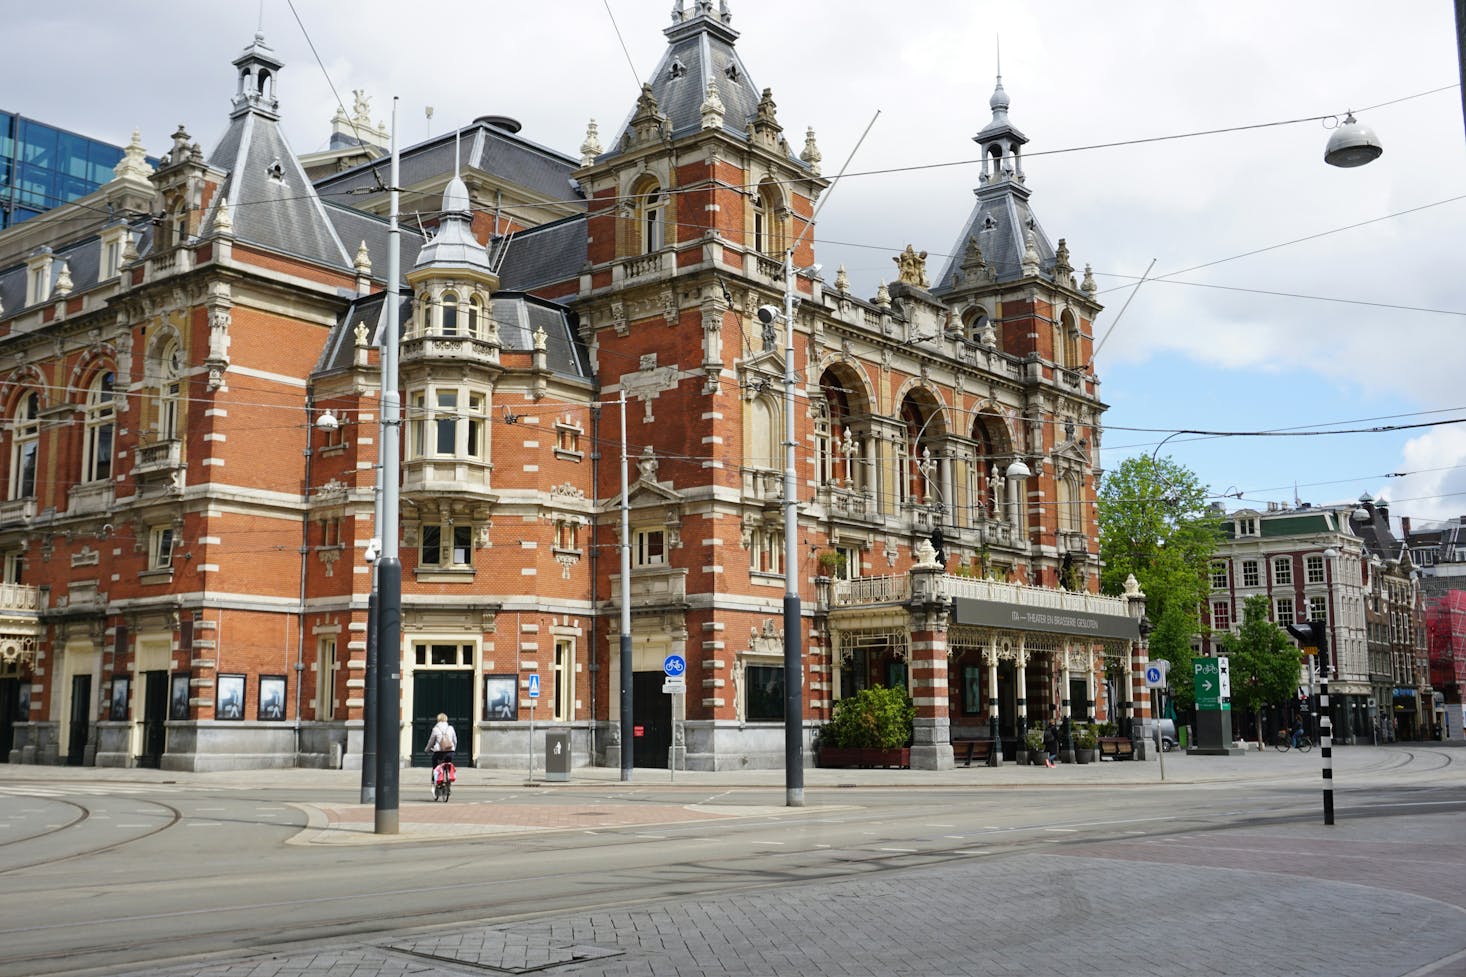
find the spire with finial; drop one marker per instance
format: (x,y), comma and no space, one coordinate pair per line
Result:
(591,148)
(811,154)
(1088,286)
(223,221)
(63,279)
(363,263)
(134,163)
(842,280)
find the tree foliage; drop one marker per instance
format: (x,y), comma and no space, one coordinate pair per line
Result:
(1155,523)
(1262,659)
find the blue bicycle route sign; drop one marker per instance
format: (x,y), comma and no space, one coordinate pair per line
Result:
(674,665)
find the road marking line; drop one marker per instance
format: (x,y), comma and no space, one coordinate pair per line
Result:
(1063,830)
(901,851)
(203,824)
(973,851)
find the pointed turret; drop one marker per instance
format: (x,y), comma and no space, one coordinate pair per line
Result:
(1002,222)
(270,200)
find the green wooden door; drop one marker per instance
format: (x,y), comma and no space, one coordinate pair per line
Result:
(449,691)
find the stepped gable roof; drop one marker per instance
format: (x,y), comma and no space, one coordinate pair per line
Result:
(271,202)
(543,255)
(700,49)
(1002,219)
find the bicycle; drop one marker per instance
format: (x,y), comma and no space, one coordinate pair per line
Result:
(443,776)
(1284,742)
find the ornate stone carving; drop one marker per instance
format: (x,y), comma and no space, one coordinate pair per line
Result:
(912,267)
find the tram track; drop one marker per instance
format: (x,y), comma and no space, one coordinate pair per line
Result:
(174,816)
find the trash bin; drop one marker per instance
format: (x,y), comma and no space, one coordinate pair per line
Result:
(557,756)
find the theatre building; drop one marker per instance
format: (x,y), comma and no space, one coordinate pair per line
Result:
(190,380)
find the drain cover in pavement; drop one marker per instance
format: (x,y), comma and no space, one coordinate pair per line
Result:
(500,951)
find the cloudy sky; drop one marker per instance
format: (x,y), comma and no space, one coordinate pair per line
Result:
(1286,294)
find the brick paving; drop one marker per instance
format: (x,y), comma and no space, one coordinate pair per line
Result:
(1031,914)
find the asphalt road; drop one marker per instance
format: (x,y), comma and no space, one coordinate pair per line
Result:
(711,875)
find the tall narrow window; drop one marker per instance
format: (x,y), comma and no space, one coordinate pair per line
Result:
(326,679)
(25,444)
(448,322)
(169,389)
(100,419)
(476,423)
(649,211)
(1283,570)
(766,206)
(446,423)
(564,700)
(475,315)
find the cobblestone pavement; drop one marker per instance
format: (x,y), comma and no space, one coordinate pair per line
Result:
(1372,896)
(1278,900)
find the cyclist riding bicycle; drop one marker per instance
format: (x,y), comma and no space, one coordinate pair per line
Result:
(442,741)
(1297,736)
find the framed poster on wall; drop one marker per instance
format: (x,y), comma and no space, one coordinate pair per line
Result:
(231,697)
(500,702)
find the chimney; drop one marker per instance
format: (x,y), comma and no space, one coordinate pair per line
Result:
(1405,526)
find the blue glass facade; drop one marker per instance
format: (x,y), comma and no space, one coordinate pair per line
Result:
(42,166)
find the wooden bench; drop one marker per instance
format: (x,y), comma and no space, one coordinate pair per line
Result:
(965,751)
(1116,748)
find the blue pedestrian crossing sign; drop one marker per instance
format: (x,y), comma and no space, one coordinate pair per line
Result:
(534,686)
(674,665)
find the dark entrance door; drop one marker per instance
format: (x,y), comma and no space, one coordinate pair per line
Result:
(449,691)
(155,712)
(81,720)
(651,713)
(9,715)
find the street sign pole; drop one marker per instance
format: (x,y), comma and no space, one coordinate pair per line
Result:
(534,696)
(675,685)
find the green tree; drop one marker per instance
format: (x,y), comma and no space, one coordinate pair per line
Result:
(1262,659)
(1155,523)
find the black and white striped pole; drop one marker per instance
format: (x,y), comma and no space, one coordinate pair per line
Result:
(1325,725)
(1314,637)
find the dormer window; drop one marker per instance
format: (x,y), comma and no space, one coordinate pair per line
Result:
(38,277)
(732,71)
(276,171)
(1246,526)
(678,69)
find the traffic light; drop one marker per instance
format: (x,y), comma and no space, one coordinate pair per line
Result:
(1313,638)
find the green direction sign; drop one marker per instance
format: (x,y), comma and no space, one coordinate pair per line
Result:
(1208,685)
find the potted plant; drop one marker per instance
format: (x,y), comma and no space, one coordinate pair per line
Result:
(1033,740)
(830,562)
(869,729)
(1084,742)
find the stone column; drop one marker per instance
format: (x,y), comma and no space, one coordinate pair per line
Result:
(1020,689)
(1136,706)
(931,747)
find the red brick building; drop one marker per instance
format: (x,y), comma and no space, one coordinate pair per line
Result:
(191,390)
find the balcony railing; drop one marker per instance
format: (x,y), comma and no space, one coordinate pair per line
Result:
(17,511)
(90,497)
(158,457)
(453,348)
(19,597)
(763,485)
(896,588)
(658,264)
(653,586)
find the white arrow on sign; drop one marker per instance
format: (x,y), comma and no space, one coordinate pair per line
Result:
(1206,686)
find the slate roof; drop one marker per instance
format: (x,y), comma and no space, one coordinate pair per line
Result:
(271,202)
(355,226)
(543,255)
(517,314)
(1002,217)
(486,147)
(700,48)
(83,259)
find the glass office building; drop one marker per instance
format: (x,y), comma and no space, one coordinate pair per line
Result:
(42,166)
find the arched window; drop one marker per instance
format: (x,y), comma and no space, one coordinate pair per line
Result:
(170,387)
(25,442)
(1069,500)
(475,315)
(974,321)
(448,314)
(838,447)
(921,467)
(766,206)
(100,427)
(1069,354)
(649,211)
